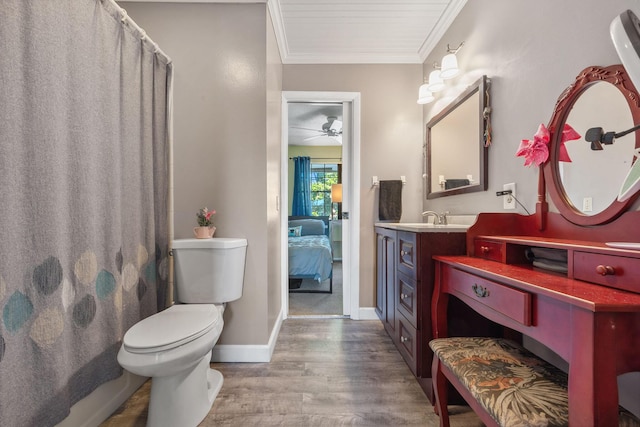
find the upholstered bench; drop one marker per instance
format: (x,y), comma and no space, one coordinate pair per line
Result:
(505,384)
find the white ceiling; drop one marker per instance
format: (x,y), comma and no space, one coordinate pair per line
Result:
(360,31)
(354,31)
(306,120)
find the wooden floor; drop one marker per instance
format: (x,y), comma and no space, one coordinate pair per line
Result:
(324,372)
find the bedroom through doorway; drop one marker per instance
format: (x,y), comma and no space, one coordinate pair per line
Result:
(317,175)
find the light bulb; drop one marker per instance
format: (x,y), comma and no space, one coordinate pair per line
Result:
(449,66)
(435,81)
(424,95)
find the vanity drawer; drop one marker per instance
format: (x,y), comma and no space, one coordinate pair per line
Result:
(489,250)
(511,302)
(408,253)
(408,298)
(408,344)
(613,271)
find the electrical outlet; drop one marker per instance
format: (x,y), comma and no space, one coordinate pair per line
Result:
(587,204)
(509,201)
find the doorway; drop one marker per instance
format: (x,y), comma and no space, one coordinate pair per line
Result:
(337,159)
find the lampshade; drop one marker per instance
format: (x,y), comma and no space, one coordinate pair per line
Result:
(435,81)
(336,193)
(424,95)
(625,34)
(449,67)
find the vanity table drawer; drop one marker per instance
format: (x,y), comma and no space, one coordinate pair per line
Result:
(408,298)
(489,250)
(614,271)
(511,302)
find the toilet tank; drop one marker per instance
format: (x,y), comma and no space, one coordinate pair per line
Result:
(209,271)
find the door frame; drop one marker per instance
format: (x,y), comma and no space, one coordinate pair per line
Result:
(350,195)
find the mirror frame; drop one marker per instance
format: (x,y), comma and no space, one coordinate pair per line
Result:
(616,75)
(481,86)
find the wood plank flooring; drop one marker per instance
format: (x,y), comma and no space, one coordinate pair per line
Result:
(324,372)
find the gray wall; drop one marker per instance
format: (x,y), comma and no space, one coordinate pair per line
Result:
(391,139)
(227,97)
(227,136)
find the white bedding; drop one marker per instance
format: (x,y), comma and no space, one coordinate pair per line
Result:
(310,256)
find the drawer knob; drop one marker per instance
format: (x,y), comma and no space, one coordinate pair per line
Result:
(605,270)
(404,339)
(403,296)
(480,291)
(403,253)
(484,249)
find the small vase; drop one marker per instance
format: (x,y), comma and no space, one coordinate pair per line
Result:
(204,232)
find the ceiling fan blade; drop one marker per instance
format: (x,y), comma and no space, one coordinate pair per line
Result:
(314,137)
(336,126)
(314,130)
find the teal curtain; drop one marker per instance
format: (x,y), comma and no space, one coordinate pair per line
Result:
(301,186)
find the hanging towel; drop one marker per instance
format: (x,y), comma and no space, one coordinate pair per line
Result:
(390,200)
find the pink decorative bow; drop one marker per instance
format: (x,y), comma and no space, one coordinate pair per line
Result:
(536,151)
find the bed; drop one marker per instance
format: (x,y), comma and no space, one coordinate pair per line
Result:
(310,255)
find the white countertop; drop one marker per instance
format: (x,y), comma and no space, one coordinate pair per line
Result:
(456,224)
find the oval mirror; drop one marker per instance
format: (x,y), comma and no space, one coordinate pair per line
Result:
(585,189)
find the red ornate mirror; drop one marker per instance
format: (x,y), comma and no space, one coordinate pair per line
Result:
(585,189)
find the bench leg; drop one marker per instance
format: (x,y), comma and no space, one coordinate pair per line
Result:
(440,391)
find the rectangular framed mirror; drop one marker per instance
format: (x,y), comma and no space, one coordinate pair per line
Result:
(457,144)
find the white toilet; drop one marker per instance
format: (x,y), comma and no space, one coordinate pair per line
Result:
(174,346)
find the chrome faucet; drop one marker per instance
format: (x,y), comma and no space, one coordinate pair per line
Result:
(438,219)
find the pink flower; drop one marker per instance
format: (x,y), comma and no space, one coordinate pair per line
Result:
(535,150)
(204,217)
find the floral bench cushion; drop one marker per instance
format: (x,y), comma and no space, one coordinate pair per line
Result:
(512,384)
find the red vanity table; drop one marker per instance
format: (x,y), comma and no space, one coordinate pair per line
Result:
(589,316)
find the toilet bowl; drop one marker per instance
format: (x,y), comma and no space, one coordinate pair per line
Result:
(174,346)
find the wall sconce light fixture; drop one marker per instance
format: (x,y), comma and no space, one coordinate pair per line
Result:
(448,70)
(425,96)
(436,84)
(449,67)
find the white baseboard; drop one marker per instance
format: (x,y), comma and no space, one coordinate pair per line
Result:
(248,353)
(103,401)
(368,313)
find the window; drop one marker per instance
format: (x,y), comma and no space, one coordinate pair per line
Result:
(323,176)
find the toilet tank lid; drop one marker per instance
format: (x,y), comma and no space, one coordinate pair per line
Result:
(215,243)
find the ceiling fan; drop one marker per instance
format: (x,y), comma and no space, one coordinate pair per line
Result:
(332,128)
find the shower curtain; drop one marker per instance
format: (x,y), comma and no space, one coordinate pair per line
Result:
(84,178)
(301,204)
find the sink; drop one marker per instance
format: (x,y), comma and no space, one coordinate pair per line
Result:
(424,227)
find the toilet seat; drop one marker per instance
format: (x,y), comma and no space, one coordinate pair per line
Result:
(173,327)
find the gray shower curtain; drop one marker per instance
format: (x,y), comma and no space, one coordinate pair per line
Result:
(84,169)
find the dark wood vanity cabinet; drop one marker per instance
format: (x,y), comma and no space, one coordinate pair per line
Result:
(405,278)
(386,278)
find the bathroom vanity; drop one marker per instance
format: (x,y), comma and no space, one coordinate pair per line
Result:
(404,287)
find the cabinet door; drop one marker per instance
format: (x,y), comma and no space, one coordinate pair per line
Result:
(390,281)
(381,277)
(386,278)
